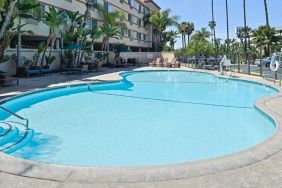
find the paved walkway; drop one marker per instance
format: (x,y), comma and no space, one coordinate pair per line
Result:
(266,173)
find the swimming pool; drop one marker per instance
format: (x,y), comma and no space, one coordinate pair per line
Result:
(148,118)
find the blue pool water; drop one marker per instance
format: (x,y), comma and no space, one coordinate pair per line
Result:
(149,118)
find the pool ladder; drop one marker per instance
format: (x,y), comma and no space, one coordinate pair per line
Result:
(8,124)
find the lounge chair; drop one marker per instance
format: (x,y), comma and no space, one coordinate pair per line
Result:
(85,69)
(154,63)
(32,72)
(4,81)
(175,63)
(161,63)
(46,70)
(72,71)
(168,64)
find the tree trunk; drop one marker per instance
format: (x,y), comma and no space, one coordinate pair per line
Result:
(245,37)
(19,45)
(266,13)
(8,16)
(45,50)
(227,25)
(86,14)
(51,49)
(182,41)
(213,32)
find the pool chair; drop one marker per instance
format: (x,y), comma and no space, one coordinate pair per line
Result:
(175,63)
(5,81)
(161,63)
(85,69)
(32,72)
(169,64)
(208,66)
(46,70)
(154,63)
(166,63)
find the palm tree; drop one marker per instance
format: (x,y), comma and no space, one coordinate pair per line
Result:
(212,26)
(182,31)
(264,37)
(189,30)
(24,9)
(162,20)
(54,20)
(87,14)
(227,25)
(202,34)
(245,37)
(266,13)
(94,35)
(213,22)
(171,37)
(113,22)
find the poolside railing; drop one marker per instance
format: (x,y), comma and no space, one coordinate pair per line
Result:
(17,116)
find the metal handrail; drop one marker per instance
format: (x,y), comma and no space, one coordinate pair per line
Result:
(17,116)
(280,80)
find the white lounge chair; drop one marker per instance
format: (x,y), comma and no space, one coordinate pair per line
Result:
(175,63)
(164,63)
(167,63)
(154,63)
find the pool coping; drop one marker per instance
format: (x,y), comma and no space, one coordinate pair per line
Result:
(59,173)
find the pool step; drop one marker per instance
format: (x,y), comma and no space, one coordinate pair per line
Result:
(13,133)
(18,142)
(14,136)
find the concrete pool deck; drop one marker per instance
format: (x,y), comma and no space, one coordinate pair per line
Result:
(260,166)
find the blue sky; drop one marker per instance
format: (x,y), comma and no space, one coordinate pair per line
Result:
(199,12)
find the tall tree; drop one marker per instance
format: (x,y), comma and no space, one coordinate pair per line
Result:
(182,31)
(213,23)
(245,37)
(87,14)
(266,13)
(227,26)
(189,30)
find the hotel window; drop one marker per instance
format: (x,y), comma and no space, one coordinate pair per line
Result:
(122,32)
(134,19)
(146,11)
(134,4)
(129,33)
(108,7)
(134,35)
(129,18)
(141,22)
(91,24)
(94,2)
